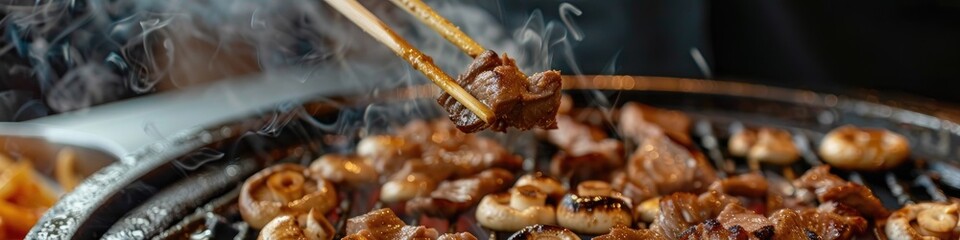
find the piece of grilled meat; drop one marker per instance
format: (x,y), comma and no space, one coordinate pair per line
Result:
(831,188)
(516,100)
(454,197)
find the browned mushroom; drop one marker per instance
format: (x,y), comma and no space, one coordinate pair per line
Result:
(597,202)
(546,184)
(928,220)
(310,226)
(407,187)
(386,152)
(348,169)
(647,210)
(764,145)
(522,206)
(864,149)
(284,189)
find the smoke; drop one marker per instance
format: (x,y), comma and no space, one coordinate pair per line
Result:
(77,54)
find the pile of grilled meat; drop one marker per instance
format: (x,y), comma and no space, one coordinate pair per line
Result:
(649,182)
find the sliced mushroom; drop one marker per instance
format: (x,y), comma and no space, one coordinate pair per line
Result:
(522,206)
(285,189)
(546,184)
(352,170)
(407,187)
(765,145)
(926,221)
(596,201)
(544,232)
(864,149)
(310,226)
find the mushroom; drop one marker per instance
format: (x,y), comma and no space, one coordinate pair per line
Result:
(386,152)
(647,210)
(596,201)
(544,232)
(546,184)
(853,148)
(740,143)
(349,169)
(926,221)
(310,226)
(284,189)
(522,206)
(768,145)
(407,187)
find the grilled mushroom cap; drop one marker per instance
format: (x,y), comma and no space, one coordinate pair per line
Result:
(544,232)
(407,187)
(284,189)
(385,152)
(769,145)
(546,184)
(597,202)
(864,149)
(924,221)
(740,143)
(522,206)
(774,146)
(352,170)
(310,226)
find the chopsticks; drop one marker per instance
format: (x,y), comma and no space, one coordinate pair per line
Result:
(441,25)
(372,25)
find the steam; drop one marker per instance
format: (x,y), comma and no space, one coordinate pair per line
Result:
(701,62)
(78,54)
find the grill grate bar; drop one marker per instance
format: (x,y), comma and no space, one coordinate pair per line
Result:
(897,189)
(856,178)
(803,143)
(931,187)
(345,207)
(709,141)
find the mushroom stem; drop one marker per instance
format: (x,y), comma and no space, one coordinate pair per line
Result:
(286,186)
(594,188)
(524,197)
(315,225)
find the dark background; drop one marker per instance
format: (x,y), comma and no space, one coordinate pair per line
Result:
(894,46)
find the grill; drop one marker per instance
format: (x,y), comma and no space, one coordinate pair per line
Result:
(189,189)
